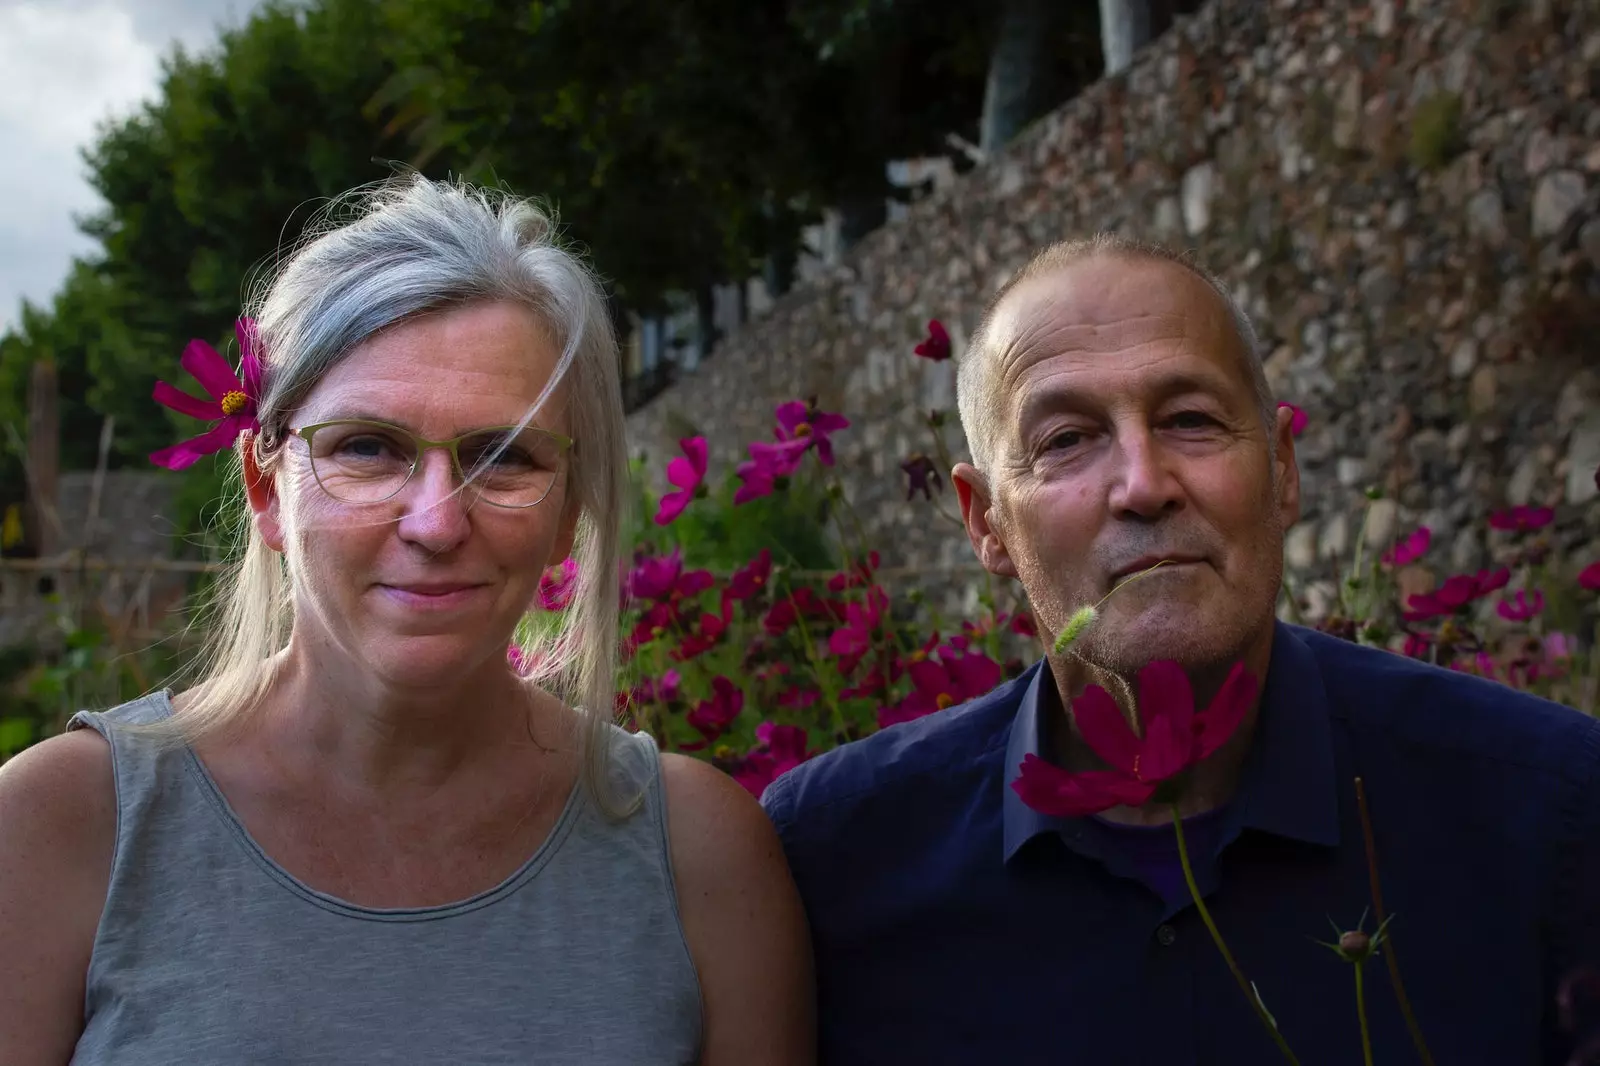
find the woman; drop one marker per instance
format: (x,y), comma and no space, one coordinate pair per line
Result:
(365,836)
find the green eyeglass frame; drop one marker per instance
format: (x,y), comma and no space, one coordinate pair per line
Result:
(423,444)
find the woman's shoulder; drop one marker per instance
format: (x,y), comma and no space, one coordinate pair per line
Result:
(716,828)
(58,830)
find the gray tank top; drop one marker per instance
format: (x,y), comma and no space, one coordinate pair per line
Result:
(209,952)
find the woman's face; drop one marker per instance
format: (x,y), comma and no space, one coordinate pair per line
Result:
(426,587)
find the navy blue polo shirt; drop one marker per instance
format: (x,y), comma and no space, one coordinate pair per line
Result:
(952,924)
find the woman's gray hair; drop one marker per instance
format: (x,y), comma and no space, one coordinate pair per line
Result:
(975,401)
(381,255)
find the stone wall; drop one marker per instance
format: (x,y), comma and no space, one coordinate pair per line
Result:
(1404,195)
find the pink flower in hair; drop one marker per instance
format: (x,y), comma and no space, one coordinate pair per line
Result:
(233,401)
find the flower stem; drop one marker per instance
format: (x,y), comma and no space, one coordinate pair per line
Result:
(1361,1014)
(1377,910)
(1222,946)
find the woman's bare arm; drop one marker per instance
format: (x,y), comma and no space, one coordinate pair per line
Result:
(744,922)
(58,824)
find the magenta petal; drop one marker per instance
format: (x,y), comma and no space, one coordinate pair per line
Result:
(1105,730)
(1166,709)
(184,404)
(210,370)
(695,449)
(826,423)
(681,472)
(249,356)
(790,414)
(184,454)
(1051,790)
(1226,712)
(672,505)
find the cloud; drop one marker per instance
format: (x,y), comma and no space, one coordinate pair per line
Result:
(65,67)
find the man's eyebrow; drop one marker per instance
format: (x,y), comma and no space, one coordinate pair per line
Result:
(1051,398)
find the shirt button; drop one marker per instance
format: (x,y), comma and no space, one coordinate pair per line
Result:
(1166,935)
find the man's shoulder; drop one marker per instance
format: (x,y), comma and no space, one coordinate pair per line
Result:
(937,754)
(1430,708)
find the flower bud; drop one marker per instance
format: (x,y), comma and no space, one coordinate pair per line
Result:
(1354,943)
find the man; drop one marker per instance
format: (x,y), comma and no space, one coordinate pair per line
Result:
(1118,417)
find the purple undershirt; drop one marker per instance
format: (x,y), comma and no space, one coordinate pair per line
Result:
(1152,850)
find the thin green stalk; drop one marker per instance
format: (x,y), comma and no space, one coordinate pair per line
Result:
(1377,909)
(1361,1013)
(816,664)
(1222,946)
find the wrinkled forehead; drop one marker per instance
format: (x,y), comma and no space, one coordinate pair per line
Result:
(1116,314)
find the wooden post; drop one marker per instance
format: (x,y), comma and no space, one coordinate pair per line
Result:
(44,458)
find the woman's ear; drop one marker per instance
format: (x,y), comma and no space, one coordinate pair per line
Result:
(261,490)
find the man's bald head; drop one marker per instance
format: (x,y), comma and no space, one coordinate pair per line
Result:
(981,409)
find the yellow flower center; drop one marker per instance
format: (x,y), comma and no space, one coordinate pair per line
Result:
(803,429)
(943,700)
(918,655)
(234,402)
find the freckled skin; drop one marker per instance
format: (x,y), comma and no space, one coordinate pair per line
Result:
(1129,427)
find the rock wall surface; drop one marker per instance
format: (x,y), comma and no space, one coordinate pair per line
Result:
(1404,195)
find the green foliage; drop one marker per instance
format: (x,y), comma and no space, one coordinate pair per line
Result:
(1436,135)
(723,536)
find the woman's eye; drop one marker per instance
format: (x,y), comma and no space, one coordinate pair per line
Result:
(1066,438)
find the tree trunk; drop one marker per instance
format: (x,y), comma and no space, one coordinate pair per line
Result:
(1128,25)
(43,461)
(1023,82)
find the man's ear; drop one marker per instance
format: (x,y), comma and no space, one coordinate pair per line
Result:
(1285,467)
(261,491)
(972,491)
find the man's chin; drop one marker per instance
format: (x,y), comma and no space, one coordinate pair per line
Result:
(1124,647)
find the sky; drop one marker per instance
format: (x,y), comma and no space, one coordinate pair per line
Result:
(65,66)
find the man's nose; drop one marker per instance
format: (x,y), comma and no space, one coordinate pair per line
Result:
(1145,485)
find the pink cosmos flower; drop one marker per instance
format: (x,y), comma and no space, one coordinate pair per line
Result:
(1455,593)
(1410,548)
(783,747)
(1175,738)
(857,575)
(1522,519)
(1298,421)
(752,577)
(801,421)
(233,401)
(662,578)
(556,585)
(936,346)
(706,634)
(688,472)
(1520,607)
(955,677)
(713,716)
(768,467)
(1589,577)
(798,698)
(852,640)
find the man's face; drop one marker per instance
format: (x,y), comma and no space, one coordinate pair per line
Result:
(1128,432)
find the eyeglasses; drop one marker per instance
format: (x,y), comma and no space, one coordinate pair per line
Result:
(361,461)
